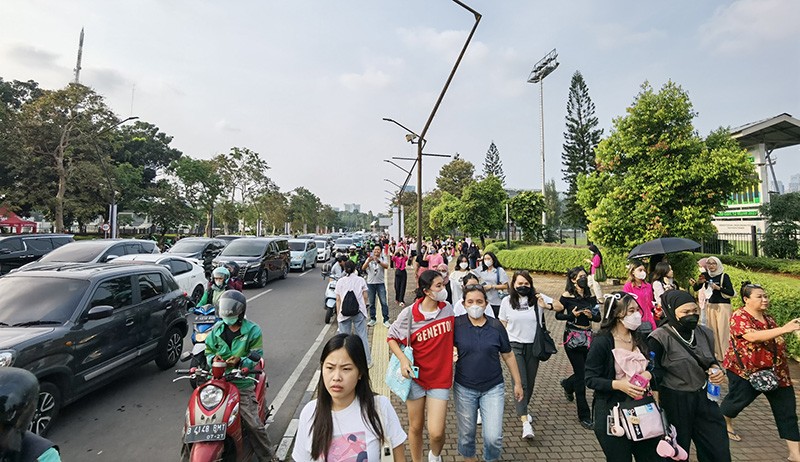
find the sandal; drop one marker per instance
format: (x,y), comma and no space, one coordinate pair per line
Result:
(733,436)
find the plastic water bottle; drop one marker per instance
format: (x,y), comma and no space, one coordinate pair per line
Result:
(713,390)
(652,363)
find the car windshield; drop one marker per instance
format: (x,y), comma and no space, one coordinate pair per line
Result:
(29,300)
(188,247)
(344,241)
(322,244)
(244,248)
(76,252)
(297,246)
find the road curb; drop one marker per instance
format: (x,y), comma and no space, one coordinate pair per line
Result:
(291,431)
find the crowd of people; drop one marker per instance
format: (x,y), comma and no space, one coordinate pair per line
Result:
(650,349)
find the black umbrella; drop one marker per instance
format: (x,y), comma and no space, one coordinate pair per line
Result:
(663,245)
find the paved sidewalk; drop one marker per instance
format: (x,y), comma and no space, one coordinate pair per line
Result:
(559,435)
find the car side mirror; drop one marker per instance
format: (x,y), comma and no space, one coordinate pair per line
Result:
(111,257)
(100,312)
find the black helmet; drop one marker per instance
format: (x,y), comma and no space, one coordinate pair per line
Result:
(19,394)
(232,303)
(233,267)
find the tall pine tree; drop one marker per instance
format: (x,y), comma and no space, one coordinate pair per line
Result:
(492,165)
(581,138)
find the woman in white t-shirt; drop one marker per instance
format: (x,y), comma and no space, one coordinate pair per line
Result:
(347,421)
(458,305)
(457,276)
(520,323)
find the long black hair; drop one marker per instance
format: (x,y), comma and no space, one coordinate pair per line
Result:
(571,287)
(662,270)
(321,431)
(495,262)
(614,304)
(349,266)
(513,295)
(596,251)
(425,282)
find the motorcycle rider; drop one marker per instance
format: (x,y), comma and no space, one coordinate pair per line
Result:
(234,282)
(19,394)
(353,254)
(231,340)
(220,279)
(337,270)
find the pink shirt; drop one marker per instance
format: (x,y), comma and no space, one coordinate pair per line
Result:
(400,262)
(644,294)
(595,263)
(434,261)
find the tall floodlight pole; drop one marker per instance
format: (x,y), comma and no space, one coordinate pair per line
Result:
(80,55)
(542,69)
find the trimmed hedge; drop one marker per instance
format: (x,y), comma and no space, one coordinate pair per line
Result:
(784,291)
(772,265)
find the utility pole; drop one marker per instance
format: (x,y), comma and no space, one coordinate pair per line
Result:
(80,55)
(542,69)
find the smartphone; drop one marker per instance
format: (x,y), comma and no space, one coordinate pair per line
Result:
(639,381)
(415,372)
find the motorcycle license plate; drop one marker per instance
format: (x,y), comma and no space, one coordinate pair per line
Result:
(205,319)
(209,432)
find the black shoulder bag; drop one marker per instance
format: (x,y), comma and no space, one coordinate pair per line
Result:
(544,346)
(763,380)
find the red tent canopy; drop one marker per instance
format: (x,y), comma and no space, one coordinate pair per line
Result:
(9,219)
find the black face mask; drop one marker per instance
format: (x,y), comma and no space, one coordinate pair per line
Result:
(689,322)
(583,283)
(523,290)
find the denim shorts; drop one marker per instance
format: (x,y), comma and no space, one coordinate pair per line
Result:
(418,392)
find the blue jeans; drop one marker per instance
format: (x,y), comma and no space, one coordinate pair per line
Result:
(359,324)
(381,290)
(490,402)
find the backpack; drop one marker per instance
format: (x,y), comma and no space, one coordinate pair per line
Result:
(350,304)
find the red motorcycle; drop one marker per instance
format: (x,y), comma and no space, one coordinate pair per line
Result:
(213,429)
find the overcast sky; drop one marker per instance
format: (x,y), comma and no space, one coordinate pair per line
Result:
(306,83)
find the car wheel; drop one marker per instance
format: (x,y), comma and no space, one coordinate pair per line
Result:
(285,271)
(314,265)
(303,267)
(261,279)
(197,294)
(47,408)
(169,349)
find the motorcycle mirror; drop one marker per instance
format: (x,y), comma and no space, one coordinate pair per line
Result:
(253,356)
(185,356)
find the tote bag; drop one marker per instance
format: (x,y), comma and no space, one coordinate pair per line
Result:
(400,385)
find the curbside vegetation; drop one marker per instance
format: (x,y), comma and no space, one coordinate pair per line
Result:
(784,291)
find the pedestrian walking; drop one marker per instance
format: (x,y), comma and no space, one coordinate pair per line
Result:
(458,306)
(480,342)
(683,366)
(494,280)
(400,261)
(457,276)
(432,342)
(375,267)
(637,285)
(594,263)
(579,309)
(473,254)
(615,366)
(347,421)
(757,346)
(522,314)
(357,324)
(718,305)
(663,280)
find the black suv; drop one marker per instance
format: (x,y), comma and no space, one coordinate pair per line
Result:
(80,326)
(260,259)
(20,249)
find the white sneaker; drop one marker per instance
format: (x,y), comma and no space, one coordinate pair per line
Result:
(371,323)
(527,431)
(479,418)
(432,458)
(387,324)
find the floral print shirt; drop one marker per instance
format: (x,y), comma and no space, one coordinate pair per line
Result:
(756,355)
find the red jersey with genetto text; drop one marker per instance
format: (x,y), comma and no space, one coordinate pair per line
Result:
(432,342)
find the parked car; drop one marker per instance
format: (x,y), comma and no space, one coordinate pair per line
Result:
(93,251)
(342,244)
(20,249)
(303,254)
(204,249)
(306,236)
(260,259)
(190,276)
(323,250)
(229,237)
(80,326)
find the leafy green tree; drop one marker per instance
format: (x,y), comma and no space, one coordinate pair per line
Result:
(526,210)
(327,217)
(554,211)
(144,145)
(483,208)
(168,208)
(227,213)
(200,184)
(454,176)
(60,126)
(656,177)
(492,165)
(783,215)
(304,207)
(581,139)
(445,216)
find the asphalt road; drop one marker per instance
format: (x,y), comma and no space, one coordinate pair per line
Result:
(140,416)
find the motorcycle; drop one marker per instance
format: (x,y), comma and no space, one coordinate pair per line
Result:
(213,429)
(204,320)
(329,301)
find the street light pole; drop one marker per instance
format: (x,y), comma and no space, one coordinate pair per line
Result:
(542,69)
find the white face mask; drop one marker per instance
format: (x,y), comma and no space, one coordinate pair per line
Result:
(463,265)
(633,320)
(440,296)
(488,262)
(475,311)
(640,275)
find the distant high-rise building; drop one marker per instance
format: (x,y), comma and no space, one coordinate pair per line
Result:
(352,208)
(410,188)
(794,183)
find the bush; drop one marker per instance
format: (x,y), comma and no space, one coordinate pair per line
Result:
(773,265)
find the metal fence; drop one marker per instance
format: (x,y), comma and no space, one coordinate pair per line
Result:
(748,244)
